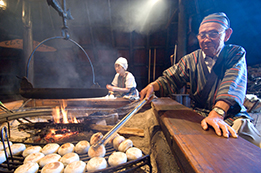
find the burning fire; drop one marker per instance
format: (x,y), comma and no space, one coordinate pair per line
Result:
(55,134)
(59,113)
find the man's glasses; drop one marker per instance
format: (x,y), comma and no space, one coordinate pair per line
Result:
(211,34)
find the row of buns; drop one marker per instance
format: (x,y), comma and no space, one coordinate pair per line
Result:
(66,155)
(125,151)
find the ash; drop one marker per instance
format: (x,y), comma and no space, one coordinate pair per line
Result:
(153,142)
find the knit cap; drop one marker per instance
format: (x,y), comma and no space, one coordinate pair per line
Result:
(123,62)
(220,18)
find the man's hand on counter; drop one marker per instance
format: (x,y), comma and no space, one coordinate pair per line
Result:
(217,122)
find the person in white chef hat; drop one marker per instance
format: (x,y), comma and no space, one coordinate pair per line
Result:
(123,84)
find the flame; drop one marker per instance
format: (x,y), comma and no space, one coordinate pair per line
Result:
(64,113)
(75,120)
(58,112)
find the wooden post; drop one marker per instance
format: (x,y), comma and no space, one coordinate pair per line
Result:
(28,39)
(182,31)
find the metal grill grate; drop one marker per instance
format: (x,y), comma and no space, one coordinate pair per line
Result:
(13,162)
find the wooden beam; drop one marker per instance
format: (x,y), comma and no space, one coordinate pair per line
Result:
(122,131)
(89,102)
(12,105)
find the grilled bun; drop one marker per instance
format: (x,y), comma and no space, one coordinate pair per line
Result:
(32,149)
(82,147)
(96,137)
(49,159)
(66,148)
(2,157)
(75,167)
(125,145)
(50,148)
(69,158)
(30,167)
(34,157)
(6,145)
(133,153)
(117,158)
(53,167)
(96,163)
(17,149)
(117,141)
(97,152)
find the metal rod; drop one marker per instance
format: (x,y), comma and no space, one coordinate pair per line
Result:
(149,66)
(23,114)
(175,55)
(4,130)
(59,37)
(154,65)
(120,124)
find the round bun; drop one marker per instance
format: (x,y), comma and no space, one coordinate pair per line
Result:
(54,167)
(96,137)
(50,148)
(69,158)
(96,163)
(66,148)
(97,152)
(32,149)
(17,149)
(75,167)
(117,158)
(48,159)
(117,141)
(2,157)
(34,157)
(30,167)
(6,144)
(125,145)
(133,153)
(82,147)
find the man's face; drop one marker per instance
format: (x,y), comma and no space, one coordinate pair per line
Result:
(212,37)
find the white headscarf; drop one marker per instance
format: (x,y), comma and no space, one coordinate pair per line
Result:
(123,62)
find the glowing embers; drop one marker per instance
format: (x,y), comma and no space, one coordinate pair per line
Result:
(58,134)
(60,115)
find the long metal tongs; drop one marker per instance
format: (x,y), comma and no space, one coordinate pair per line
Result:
(4,132)
(117,127)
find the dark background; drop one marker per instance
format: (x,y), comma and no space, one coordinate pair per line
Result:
(107,29)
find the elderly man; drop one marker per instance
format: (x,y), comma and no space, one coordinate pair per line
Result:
(217,75)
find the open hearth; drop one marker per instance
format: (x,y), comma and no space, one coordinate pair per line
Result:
(39,129)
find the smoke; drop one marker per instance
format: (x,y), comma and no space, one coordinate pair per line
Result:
(64,69)
(141,16)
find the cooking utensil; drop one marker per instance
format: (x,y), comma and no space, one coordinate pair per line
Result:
(120,124)
(28,91)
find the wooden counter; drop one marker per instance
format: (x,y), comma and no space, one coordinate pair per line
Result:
(197,150)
